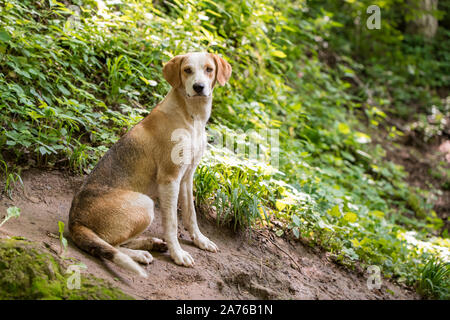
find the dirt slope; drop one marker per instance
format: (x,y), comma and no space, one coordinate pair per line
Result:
(425,163)
(245,268)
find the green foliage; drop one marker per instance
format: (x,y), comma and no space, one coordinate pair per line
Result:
(239,193)
(10,178)
(435,280)
(70,87)
(51,83)
(11,212)
(62,239)
(396,62)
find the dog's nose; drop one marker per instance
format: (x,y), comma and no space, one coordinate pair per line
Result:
(198,87)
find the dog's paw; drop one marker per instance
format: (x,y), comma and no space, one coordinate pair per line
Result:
(204,243)
(159,245)
(182,258)
(127,262)
(142,256)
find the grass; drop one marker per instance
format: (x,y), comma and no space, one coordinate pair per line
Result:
(10,178)
(435,280)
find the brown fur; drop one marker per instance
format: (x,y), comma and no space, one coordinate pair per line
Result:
(223,70)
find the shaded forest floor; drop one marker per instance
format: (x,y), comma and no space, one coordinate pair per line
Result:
(426,162)
(259,266)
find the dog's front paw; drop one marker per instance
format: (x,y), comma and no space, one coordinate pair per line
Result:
(182,258)
(204,243)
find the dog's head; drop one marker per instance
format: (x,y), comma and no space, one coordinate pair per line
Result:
(197,73)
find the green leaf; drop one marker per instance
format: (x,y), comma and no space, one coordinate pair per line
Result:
(335,212)
(61,227)
(4,36)
(362,138)
(61,234)
(349,252)
(343,128)
(347,156)
(296,220)
(350,217)
(278,54)
(355,243)
(63,89)
(43,150)
(64,242)
(13,212)
(296,232)
(151,83)
(280,205)
(377,213)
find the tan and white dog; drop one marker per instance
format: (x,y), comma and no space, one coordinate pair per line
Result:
(116,202)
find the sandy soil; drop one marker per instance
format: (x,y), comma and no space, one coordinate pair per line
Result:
(258,267)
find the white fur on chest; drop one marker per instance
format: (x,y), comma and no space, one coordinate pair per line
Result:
(198,142)
(189,144)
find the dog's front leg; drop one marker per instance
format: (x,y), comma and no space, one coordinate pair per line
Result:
(190,217)
(168,197)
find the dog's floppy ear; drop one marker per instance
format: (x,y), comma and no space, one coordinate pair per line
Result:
(223,72)
(171,71)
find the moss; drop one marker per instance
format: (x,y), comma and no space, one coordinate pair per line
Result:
(27,272)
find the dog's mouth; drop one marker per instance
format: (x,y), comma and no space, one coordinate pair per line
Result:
(198,95)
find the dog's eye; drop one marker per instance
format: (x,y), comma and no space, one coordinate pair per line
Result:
(209,69)
(188,70)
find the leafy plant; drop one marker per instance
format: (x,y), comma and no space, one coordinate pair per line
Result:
(11,212)
(435,280)
(10,179)
(62,239)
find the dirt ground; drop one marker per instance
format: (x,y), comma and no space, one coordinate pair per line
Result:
(421,160)
(258,267)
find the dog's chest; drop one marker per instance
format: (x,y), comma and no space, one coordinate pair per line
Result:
(198,143)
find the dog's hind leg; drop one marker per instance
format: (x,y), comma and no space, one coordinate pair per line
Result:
(89,241)
(107,218)
(147,243)
(140,256)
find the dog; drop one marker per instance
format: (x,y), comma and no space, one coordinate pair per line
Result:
(115,204)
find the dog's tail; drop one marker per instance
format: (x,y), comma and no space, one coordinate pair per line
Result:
(89,241)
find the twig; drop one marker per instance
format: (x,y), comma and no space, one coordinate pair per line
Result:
(260,270)
(281,249)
